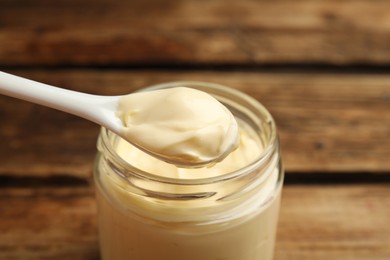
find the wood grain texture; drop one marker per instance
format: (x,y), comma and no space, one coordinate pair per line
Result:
(334,127)
(196,32)
(48,223)
(316,223)
(334,222)
(327,122)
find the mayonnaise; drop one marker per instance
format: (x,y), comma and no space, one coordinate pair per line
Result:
(246,153)
(134,223)
(179,124)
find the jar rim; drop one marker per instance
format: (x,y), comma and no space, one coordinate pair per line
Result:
(272,144)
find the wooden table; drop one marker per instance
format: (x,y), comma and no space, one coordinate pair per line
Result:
(321,67)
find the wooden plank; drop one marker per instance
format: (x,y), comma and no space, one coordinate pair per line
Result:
(327,122)
(316,222)
(195,32)
(48,223)
(334,222)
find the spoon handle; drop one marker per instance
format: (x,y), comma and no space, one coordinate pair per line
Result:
(95,108)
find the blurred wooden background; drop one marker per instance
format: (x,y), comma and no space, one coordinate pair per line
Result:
(321,67)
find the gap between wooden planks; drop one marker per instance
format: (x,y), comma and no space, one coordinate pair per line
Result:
(316,222)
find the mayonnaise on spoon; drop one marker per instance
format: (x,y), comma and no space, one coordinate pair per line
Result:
(182,126)
(179,124)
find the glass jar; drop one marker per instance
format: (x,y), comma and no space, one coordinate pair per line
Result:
(149,215)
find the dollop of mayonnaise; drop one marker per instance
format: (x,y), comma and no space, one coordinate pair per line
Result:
(180,124)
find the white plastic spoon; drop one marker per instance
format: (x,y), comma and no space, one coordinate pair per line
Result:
(98,109)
